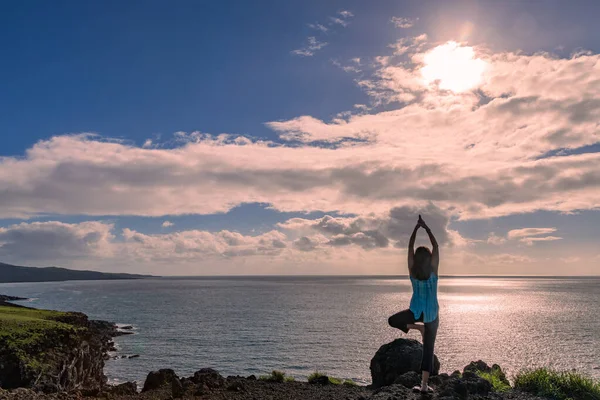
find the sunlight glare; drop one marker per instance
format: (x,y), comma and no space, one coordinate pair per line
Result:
(453,66)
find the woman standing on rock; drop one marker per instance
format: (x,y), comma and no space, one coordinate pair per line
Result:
(423,271)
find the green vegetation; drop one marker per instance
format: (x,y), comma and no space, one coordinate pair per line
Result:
(276,376)
(27,333)
(349,382)
(334,381)
(496,378)
(557,385)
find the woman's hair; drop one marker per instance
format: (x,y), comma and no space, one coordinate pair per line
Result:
(422,264)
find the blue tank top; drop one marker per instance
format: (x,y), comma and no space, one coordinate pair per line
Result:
(424,299)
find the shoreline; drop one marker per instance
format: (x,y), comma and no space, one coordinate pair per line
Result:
(394,370)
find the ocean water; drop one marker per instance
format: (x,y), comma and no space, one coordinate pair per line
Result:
(332,324)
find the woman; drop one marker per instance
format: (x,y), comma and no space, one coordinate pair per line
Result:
(423,271)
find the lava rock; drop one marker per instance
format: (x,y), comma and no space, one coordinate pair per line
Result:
(481,366)
(124,389)
(158,379)
(209,377)
(408,379)
(397,358)
(320,380)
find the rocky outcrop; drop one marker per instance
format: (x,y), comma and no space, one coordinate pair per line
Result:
(395,359)
(57,357)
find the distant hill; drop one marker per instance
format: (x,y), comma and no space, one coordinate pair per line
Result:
(15,273)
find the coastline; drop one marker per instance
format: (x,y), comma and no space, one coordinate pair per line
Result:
(394,370)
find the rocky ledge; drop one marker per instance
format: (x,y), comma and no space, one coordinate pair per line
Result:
(51,351)
(394,371)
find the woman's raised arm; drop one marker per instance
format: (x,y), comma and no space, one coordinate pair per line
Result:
(435,253)
(411,249)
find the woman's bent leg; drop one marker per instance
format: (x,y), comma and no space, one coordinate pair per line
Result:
(401,320)
(428,346)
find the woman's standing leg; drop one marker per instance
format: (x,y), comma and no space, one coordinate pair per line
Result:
(429,336)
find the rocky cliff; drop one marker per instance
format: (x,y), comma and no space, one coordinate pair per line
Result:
(52,351)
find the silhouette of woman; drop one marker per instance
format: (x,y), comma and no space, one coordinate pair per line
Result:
(423,271)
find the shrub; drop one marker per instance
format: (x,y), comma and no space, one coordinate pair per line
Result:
(497,381)
(558,385)
(349,382)
(276,376)
(314,376)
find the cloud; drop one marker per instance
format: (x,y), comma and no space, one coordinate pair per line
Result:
(310,48)
(477,154)
(531,240)
(375,231)
(167,224)
(526,232)
(318,27)
(404,23)
(341,18)
(495,240)
(50,241)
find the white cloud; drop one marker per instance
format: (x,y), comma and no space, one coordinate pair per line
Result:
(526,232)
(55,241)
(495,239)
(404,23)
(531,240)
(311,47)
(318,27)
(342,18)
(167,224)
(479,154)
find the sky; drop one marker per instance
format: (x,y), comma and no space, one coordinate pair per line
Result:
(300,137)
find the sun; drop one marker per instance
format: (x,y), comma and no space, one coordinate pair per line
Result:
(453,67)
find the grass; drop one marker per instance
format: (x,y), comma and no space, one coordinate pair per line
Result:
(27,333)
(557,385)
(496,379)
(334,381)
(276,376)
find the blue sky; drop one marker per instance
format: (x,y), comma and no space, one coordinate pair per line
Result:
(292,76)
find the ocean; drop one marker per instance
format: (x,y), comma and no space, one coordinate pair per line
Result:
(252,325)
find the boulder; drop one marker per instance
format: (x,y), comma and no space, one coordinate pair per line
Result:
(208,377)
(158,379)
(124,389)
(480,366)
(397,358)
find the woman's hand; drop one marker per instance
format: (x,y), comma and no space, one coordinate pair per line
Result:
(422,223)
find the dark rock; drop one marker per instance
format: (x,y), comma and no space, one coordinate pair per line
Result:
(158,379)
(470,384)
(11,298)
(251,378)
(177,390)
(439,379)
(480,366)
(395,392)
(456,374)
(209,377)
(124,389)
(126,327)
(133,356)
(397,358)
(408,379)
(320,380)
(236,386)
